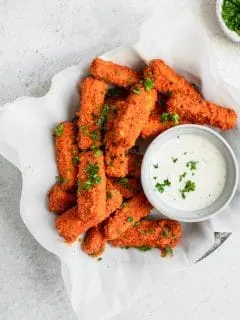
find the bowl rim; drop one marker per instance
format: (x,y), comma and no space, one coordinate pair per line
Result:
(232,35)
(197,128)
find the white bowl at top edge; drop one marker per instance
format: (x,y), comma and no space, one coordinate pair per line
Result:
(232,35)
(232,174)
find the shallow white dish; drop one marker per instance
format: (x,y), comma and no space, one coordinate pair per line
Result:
(229,188)
(229,33)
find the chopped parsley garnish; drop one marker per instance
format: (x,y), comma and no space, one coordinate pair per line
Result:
(189,187)
(103,118)
(114,92)
(99,259)
(160,187)
(92,178)
(165,233)
(123,182)
(185,153)
(136,90)
(85,130)
(152,231)
(231,14)
(75,160)
(183,175)
(155,178)
(148,84)
(59,130)
(174,159)
(144,248)
(143,232)
(174,117)
(137,223)
(163,98)
(167,252)
(109,195)
(130,219)
(59,179)
(94,135)
(97,153)
(155,166)
(192,165)
(124,204)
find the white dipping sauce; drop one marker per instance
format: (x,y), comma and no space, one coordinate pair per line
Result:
(206,170)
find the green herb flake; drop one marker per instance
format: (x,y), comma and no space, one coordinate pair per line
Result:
(167,252)
(144,248)
(192,165)
(75,160)
(155,166)
(94,135)
(144,232)
(174,160)
(165,233)
(130,219)
(189,187)
(173,117)
(231,14)
(59,179)
(92,178)
(136,90)
(85,130)
(97,153)
(160,187)
(148,84)
(183,175)
(99,259)
(59,130)
(123,182)
(152,231)
(124,204)
(103,118)
(164,117)
(154,178)
(137,223)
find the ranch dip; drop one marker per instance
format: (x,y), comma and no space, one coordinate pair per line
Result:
(188,172)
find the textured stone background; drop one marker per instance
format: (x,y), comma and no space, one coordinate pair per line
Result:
(38,38)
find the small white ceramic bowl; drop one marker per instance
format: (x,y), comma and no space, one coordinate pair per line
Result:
(229,33)
(231,174)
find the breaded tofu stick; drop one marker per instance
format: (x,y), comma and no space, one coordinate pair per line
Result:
(199,111)
(116,161)
(94,242)
(92,94)
(125,217)
(134,117)
(151,233)
(114,73)
(166,79)
(155,126)
(114,199)
(134,165)
(70,226)
(60,200)
(91,188)
(128,187)
(66,154)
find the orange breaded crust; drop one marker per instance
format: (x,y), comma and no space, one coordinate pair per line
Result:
(199,111)
(151,233)
(92,94)
(166,79)
(94,242)
(66,150)
(134,117)
(128,187)
(134,165)
(60,200)
(125,217)
(91,200)
(114,199)
(154,125)
(70,226)
(114,73)
(116,161)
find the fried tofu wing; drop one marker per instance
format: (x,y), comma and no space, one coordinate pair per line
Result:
(199,111)
(66,152)
(133,118)
(166,79)
(70,226)
(125,217)
(151,233)
(60,200)
(114,73)
(91,188)
(128,187)
(94,242)
(92,94)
